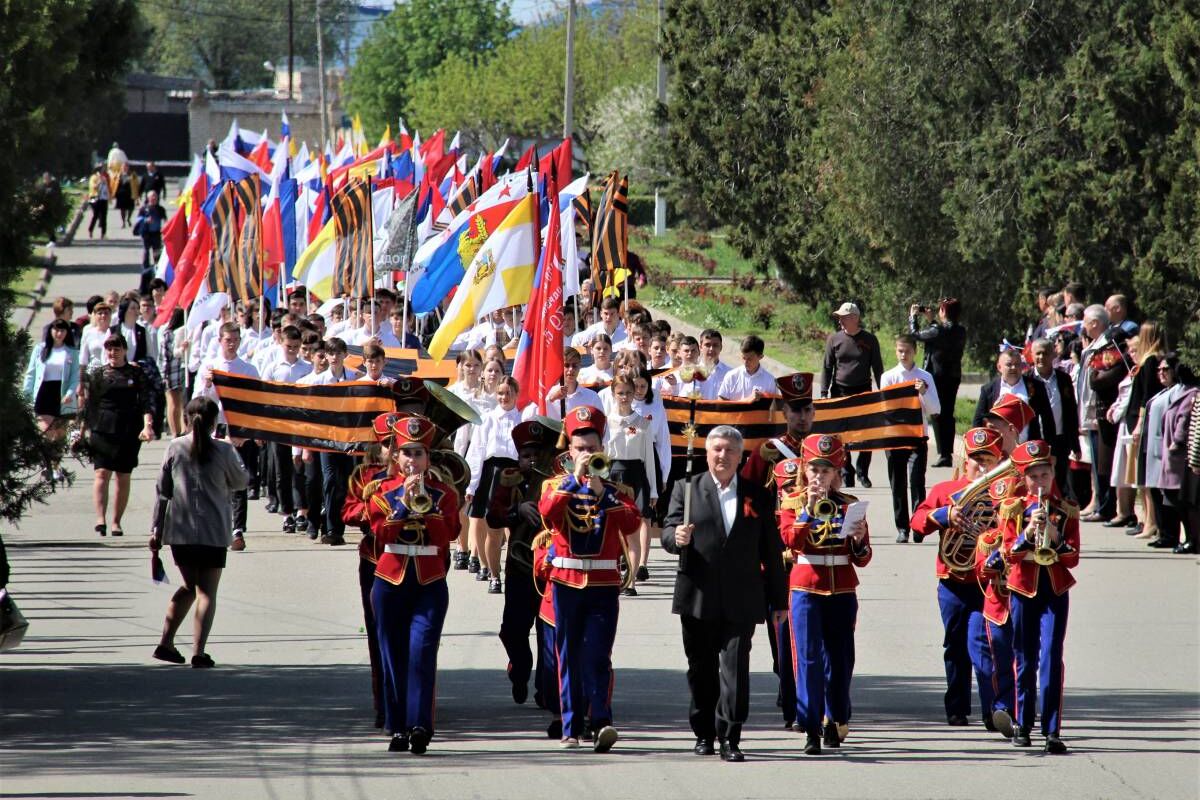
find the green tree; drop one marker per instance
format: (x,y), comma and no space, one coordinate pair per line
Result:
(409,43)
(54,81)
(225,42)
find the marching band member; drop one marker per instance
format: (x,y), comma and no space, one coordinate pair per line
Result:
(546,677)
(362,485)
(414,519)
(960,596)
(824,604)
(514,506)
(589,521)
(629,442)
(1040,533)
(491,451)
(796,393)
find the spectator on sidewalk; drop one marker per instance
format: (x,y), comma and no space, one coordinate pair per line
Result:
(196,482)
(149,225)
(126,194)
(852,359)
(154,181)
(906,467)
(1060,394)
(98,197)
(1102,365)
(1117,307)
(52,382)
(945,339)
(1010,380)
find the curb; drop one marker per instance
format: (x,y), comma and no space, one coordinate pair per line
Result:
(73,225)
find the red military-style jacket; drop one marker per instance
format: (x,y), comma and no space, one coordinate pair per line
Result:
(363,482)
(932,516)
(541,577)
(795,527)
(757,469)
(392,523)
(617,517)
(1024,572)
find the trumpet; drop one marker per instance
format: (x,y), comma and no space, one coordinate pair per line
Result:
(1043,553)
(417,499)
(597,464)
(826,511)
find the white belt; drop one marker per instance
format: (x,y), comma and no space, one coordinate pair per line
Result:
(585,564)
(823,561)
(411,549)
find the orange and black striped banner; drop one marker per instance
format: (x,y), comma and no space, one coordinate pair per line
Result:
(467,195)
(335,418)
(250,236)
(223,273)
(408,362)
(889,419)
(610,232)
(353,253)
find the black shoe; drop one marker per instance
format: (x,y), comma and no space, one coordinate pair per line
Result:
(520,692)
(605,738)
(302,524)
(956,720)
(483,574)
(253,494)
(333,541)
(419,739)
(379,720)
(731,752)
(643,574)
(289,524)
(554,730)
(865,481)
(812,745)
(102,529)
(473,565)
(1135,529)
(272,507)
(704,747)
(943,462)
(169,654)
(629,591)
(1184,548)
(1021,738)
(399,743)
(830,737)
(1162,544)
(460,560)
(901,537)
(1121,522)
(202,661)
(1055,745)
(1002,721)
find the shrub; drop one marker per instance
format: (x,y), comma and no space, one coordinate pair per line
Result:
(763,315)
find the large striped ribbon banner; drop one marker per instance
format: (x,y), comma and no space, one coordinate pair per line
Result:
(335,418)
(410,362)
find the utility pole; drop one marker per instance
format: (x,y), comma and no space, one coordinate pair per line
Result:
(291,47)
(569,94)
(321,81)
(660,200)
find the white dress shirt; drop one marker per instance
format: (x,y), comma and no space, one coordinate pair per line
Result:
(631,438)
(593,375)
(492,439)
(236,366)
(1019,390)
(479,400)
(739,384)
(586,336)
(582,396)
(283,372)
(1051,384)
(656,414)
(727,498)
(327,377)
(930,402)
(252,340)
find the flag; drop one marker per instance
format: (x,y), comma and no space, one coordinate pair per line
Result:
(400,236)
(314,267)
(175,235)
(500,275)
(234,167)
(190,270)
(540,351)
(354,262)
(465,196)
(610,236)
(207,309)
(223,273)
(527,159)
(888,419)
(335,418)
(568,205)
(285,130)
(250,237)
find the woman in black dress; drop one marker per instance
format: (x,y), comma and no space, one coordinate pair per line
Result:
(117,409)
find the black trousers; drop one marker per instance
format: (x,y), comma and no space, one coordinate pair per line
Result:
(366,579)
(249,453)
(314,493)
(1061,448)
(943,425)
(718,676)
(906,471)
(521,603)
(284,477)
(862,462)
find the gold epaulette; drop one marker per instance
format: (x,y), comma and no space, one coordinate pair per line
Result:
(371,488)
(625,489)
(551,484)
(793,500)
(1012,508)
(541,540)
(510,476)
(1070,508)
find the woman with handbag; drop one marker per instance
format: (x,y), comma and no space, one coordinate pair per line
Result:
(52,381)
(114,397)
(193,514)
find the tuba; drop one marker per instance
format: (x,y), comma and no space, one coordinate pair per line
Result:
(976,514)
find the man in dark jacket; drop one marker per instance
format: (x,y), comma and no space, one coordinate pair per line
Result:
(730,569)
(1032,391)
(852,359)
(1060,392)
(944,341)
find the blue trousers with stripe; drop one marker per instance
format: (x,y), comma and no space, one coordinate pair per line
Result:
(997,659)
(1039,629)
(546,677)
(965,647)
(409,619)
(823,655)
(585,629)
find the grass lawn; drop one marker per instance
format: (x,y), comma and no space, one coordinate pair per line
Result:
(27,279)
(793,330)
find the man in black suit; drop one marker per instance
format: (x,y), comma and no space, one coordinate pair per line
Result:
(1060,393)
(730,569)
(1032,391)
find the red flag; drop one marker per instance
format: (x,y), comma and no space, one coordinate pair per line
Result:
(175,235)
(272,233)
(261,156)
(433,148)
(487,175)
(527,158)
(190,270)
(539,362)
(557,161)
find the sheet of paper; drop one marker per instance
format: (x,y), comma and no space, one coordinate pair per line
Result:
(854,512)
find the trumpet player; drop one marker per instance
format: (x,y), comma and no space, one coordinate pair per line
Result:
(1040,533)
(589,520)
(960,591)
(824,603)
(413,518)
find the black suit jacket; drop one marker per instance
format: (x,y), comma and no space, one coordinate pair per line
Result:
(1042,424)
(1068,437)
(732,577)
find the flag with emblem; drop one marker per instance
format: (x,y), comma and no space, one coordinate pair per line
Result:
(354,262)
(539,362)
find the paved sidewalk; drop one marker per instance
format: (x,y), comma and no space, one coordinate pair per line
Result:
(86,712)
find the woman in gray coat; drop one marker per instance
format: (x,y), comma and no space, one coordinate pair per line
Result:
(193,515)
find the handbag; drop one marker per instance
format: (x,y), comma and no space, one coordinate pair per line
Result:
(12,623)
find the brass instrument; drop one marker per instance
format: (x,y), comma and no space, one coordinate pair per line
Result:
(976,514)
(450,468)
(597,464)
(826,511)
(417,499)
(1043,553)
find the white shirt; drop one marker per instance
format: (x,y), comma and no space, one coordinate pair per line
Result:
(1019,390)
(708,388)
(739,384)
(56,362)
(588,334)
(1051,384)
(252,340)
(479,400)
(267,355)
(327,377)
(360,336)
(582,396)
(284,372)
(152,343)
(492,439)
(656,414)
(727,498)
(631,438)
(930,403)
(336,329)
(236,366)
(716,375)
(593,375)
(91,347)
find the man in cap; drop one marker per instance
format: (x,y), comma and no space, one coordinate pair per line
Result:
(589,521)
(852,359)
